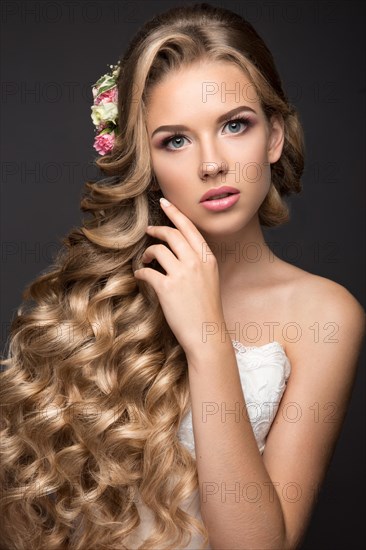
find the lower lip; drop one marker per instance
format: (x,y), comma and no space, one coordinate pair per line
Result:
(221,204)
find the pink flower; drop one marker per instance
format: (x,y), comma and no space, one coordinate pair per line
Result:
(101,126)
(104,143)
(110,96)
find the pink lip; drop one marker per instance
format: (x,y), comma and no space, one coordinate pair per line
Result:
(218,191)
(221,204)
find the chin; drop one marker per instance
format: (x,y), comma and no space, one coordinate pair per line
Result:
(221,230)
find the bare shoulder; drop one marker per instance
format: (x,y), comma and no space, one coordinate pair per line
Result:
(325,310)
(327,326)
(316,293)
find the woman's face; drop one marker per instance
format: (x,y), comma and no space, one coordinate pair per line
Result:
(212,152)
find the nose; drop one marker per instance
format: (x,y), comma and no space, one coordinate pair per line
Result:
(213,168)
(211,157)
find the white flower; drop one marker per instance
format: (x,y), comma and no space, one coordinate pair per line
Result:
(104,112)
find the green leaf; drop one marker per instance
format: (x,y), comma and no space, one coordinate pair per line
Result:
(105,88)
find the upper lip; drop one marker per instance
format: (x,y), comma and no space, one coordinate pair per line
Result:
(218,191)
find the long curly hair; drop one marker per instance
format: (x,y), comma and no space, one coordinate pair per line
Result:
(95,383)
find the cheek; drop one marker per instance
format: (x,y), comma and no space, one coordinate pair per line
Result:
(249,153)
(258,180)
(254,168)
(171,173)
(255,176)
(253,147)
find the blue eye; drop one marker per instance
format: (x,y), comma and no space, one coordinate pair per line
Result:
(238,120)
(177,137)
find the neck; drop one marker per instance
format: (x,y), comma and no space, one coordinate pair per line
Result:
(243,256)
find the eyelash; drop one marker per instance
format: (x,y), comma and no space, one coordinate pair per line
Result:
(239,118)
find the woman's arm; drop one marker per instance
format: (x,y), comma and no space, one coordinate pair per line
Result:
(234,484)
(297,453)
(250,501)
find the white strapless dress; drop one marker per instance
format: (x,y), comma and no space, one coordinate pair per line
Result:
(264,371)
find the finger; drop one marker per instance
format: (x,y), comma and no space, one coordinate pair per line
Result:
(178,244)
(163,255)
(151,276)
(185,226)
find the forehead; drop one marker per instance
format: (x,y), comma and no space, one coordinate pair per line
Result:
(203,85)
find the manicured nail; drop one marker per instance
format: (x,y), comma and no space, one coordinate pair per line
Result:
(164,202)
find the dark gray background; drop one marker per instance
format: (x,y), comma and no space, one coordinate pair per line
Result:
(52,52)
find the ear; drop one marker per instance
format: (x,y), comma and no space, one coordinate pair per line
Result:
(276,138)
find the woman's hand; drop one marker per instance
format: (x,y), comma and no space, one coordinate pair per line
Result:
(189,293)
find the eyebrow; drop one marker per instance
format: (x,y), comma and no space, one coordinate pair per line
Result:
(222,118)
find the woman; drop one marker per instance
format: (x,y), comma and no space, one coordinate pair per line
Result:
(135,404)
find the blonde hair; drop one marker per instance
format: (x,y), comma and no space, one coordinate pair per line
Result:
(96,384)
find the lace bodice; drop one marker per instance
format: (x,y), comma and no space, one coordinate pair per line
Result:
(264,371)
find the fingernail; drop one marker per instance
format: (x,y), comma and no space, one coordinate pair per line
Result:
(164,202)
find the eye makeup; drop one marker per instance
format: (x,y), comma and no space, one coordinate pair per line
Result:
(246,120)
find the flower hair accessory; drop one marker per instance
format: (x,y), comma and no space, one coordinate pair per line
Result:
(104,110)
